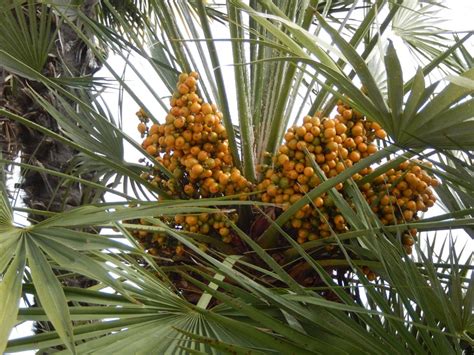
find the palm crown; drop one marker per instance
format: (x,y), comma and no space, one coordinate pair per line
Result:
(279,201)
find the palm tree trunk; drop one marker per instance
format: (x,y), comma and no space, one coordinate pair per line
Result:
(41,191)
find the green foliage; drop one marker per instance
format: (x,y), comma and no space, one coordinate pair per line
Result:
(287,60)
(27,32)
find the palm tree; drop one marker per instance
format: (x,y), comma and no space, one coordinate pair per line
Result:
(32,34)
(35,35)
(251,281)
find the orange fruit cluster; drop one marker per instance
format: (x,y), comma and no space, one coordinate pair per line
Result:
(399,194)
(334,145)
(192,144)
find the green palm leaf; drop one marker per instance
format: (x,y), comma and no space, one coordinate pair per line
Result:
(25,35)
(10,288)
(50,293)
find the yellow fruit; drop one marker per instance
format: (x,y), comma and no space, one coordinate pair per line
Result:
(141,128)
(380,133)
(151,149)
